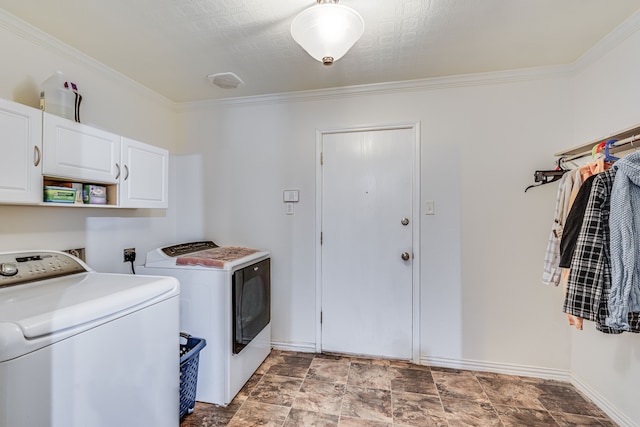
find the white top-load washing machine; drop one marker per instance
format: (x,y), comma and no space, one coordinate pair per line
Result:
(80,348)
(225,298)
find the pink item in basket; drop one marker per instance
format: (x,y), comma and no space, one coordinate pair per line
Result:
(215,257)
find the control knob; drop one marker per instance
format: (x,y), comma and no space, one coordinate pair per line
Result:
(8,269)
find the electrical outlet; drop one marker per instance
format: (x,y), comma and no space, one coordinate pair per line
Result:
(129,255)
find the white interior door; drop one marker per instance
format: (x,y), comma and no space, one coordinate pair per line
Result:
(367,242)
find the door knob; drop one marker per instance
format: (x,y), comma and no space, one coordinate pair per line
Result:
(405,256)
(405,221)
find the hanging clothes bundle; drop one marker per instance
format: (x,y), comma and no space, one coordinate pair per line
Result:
(579,250)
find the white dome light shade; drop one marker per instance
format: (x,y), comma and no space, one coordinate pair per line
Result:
(327,30)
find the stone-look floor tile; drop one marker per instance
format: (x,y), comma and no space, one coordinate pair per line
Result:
(276,390)
(412,380)
(573,420)
(408,365)
(329,370)
(606,422)
(358,422)
(255,414)
(320,396)
(306,354)
(370,360)
(451,370)
(461,413)
(302,418)
(518,401)
(519,417)
(511,392)
(507,376)
(274,358)
(292,366)
(205,414)
(367,403)
(458,386)
(369,376)
(564,398)
(420,410)
(246,390)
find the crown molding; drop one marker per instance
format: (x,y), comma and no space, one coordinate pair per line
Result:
(609,42)
(437,83)
(37,37)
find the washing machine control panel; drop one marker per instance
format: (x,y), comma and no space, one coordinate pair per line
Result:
(24,267)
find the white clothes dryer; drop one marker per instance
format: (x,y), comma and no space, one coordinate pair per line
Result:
(225,300)
(80,348)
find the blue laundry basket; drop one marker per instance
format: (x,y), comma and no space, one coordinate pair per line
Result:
(189,356)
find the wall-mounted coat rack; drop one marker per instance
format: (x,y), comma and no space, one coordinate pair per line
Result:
(610,145)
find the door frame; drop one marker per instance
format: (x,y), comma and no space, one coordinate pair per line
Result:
(415,127)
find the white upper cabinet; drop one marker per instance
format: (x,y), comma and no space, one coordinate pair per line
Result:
(79,152)
(144,180)
(20,162)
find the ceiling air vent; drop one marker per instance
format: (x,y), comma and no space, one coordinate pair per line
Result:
(225,80)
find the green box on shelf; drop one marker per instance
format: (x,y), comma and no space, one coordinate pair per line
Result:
(59,194)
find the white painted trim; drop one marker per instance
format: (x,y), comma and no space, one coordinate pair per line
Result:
(416,242)
(463,80)
(607,407)
(38,37)
(415,126)
(318,244)
(622,32)
(498,367)
(304,347)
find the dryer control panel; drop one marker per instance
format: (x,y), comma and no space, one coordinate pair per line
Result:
(23,267)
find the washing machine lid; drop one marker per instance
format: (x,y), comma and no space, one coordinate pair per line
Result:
(79,301)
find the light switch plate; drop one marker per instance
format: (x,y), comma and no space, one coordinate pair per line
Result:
(429,207)
(291,196)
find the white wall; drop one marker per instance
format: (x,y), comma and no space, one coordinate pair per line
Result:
(607,95)
(110,102)
(482,253)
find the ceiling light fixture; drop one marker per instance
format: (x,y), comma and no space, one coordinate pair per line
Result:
(327,30)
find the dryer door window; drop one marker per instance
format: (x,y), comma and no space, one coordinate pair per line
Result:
(251,301)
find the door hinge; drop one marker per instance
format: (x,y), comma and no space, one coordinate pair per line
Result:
(321,318)
(321,237)
(321,158)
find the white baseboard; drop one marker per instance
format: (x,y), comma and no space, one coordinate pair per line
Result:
(303,347)
(499,368)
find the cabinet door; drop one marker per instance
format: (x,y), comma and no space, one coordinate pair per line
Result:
(20,139)
(145,175)
(79,152)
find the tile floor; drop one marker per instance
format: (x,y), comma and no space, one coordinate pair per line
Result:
(316,390)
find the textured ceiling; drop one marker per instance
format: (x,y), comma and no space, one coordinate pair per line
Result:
(171,46)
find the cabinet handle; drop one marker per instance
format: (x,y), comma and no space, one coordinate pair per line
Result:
(126,169)
(38,157)
(118,174)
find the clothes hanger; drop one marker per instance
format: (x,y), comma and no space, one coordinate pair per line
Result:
(544,177)
(608,157)
(596,149)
